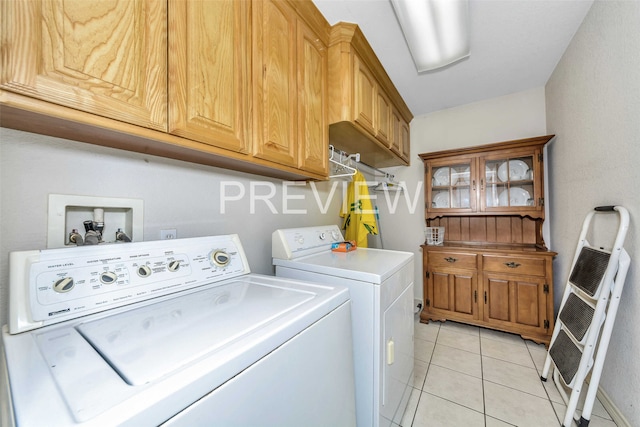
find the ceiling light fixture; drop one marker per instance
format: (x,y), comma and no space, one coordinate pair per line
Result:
(436,30)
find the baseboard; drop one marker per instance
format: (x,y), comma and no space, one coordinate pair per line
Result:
(612,409)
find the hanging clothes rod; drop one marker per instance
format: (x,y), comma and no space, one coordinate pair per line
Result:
(343,159)
(340,159)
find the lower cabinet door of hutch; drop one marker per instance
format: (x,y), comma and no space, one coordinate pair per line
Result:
(518,304)
(452,295)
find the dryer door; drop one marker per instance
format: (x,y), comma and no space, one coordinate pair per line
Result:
(398,356)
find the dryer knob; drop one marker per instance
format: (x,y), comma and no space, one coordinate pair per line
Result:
(220,258)
(63,285)
(174,265)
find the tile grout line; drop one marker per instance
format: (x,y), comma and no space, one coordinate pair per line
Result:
(424,382)
(552,383)
(484,400)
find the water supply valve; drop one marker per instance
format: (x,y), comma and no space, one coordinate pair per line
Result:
(76,238)
(121,236)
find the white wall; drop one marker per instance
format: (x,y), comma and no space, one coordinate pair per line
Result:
(515,116)
(176,194)
(593,106)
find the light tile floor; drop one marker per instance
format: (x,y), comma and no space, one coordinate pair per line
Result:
(471,376)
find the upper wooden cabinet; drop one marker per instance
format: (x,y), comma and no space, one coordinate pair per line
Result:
(366,113)
(235,84)
(104,57)
(290,91)
(496,179)
(209,75)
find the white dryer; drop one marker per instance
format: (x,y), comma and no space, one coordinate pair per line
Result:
(380,283)
(173,332)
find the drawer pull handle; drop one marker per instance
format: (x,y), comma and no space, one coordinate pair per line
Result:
(450,259)
(512,264)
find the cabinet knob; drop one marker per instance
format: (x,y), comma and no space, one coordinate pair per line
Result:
(450,259)
(512,264)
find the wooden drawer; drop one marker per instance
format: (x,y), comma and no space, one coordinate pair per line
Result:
(452,259)
(514,265)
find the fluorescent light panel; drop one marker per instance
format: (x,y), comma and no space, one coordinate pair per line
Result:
(436,30)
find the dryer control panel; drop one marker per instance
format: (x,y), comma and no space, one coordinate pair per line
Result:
(61,284)
(291,243)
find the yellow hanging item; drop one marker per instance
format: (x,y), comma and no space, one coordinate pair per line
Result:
(357,211)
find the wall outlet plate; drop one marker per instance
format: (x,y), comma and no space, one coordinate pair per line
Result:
(168,234)
(67,212)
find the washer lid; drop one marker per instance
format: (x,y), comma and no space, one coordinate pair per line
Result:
(152,341)
(363,264)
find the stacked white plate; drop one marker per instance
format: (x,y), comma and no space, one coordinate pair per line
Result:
(516,170)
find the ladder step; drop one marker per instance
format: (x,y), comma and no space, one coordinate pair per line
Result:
(566,356)
(576,315)
(589,269)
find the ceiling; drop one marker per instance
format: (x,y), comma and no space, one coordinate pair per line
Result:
(515,46)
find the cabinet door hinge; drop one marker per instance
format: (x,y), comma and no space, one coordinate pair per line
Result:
(427,274)
(539,157)
(485,297)
(546,324)
(475,296)
(541,201)
(428,302)
(545,288)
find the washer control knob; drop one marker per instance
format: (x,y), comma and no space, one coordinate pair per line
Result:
(220,258)
(322,236)
(63,285)
(174,265)
(144,271)
(335,235)
(108,277)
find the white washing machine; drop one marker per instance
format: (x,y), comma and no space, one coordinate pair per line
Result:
(173,332)
(381,286)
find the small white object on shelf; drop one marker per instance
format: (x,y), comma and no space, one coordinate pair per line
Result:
(434,235)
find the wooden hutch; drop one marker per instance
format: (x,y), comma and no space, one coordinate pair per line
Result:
(493,269)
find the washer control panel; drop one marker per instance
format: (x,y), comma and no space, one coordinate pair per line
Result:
(291,243)
(72,282)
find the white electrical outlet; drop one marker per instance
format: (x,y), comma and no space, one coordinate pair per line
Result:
(168,234)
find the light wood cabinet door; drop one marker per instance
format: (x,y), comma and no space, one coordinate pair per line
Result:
(518,303)
(365,96)
(512,181)
(452,294)
(313,127)
(383,118)
(400,135)
(209,75)
(275,85)
(405,137)
(103,57)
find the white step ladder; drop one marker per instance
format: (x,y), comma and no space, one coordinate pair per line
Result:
(586,316)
